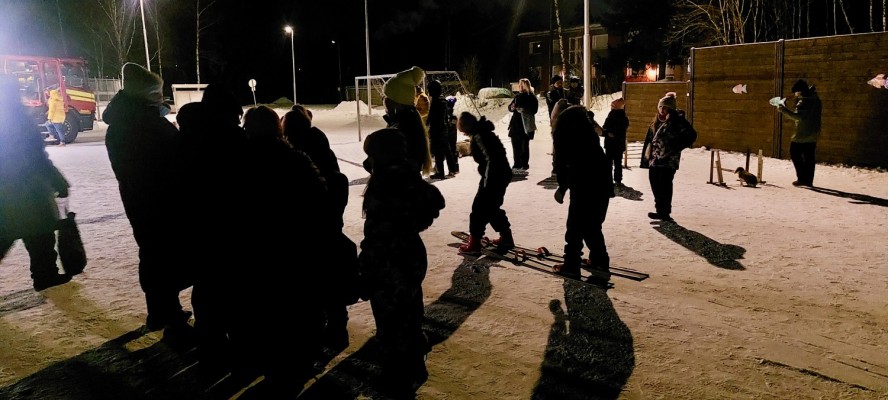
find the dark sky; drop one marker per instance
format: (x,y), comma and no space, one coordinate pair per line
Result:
(245,39)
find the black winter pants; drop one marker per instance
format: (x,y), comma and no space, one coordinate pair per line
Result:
(442,152)
(41,250)
(617,161)
(520,151)
(487,209)
(661,185)
(585,216)
(802,155)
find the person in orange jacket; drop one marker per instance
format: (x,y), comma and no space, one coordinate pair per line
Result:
(55,116)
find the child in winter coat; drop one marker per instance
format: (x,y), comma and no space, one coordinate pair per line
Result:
(398,205)
(583,169)
(615,126)
(490,154)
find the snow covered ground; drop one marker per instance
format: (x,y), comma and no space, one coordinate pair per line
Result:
(771,292)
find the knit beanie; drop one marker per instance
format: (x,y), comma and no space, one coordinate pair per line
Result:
(402,87)
(141,83)
(668,101)
(799,86)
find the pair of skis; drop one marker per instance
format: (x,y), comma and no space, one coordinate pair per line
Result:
(542,260)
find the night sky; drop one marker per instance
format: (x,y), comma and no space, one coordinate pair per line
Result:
(245,39)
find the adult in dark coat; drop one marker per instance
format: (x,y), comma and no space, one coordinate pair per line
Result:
(583,169)
(493,166)
(286,225)
(615,126)
(398,205)
(803,144)
(214,143)
(144,150)
(555,93)
(522,125)
(29,185)
(438,135)
(668,135)
(343,258)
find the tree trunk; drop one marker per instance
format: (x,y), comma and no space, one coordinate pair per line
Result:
(560,40)
(845,14)
(197,43)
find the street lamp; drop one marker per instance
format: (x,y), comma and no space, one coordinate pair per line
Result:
(339,62)
(289,31)
(145,35)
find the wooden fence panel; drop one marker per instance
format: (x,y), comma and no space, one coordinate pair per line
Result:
(641,103)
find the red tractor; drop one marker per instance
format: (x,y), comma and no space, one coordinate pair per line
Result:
(37,74)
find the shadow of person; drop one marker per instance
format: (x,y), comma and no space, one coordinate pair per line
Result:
(356,375)
(590,353)
(518,177)
(115,371)
(718,254)
(550,183)
(856,198)
(627,192)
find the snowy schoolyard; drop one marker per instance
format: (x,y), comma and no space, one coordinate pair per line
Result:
(774,292)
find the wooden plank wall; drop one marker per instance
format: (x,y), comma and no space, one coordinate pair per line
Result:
(734,121)
(641,103)
(855,114)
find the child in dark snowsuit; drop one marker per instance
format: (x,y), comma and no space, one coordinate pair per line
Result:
(583,169)
(490,154)
(438,136)
(615,126)
(398,205)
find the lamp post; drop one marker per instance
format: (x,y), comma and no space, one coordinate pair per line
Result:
(339,62)
(289,31)
(145,35)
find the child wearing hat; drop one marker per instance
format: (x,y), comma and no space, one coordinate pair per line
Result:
(668,135)
(400,113)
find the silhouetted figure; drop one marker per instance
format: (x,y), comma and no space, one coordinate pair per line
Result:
(29,185)
(145,154)
(490,154)
(438,132)
(401,114)
(583,169)
(398,205)
(615,126)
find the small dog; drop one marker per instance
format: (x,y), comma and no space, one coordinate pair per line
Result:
(750,179)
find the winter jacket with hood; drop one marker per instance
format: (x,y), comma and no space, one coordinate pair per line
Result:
(665,140)
(806,116)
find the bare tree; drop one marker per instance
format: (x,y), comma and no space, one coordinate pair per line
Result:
(717,22)
(114,27)
(845,14)
(871,16)
(470,74)
(198,30)
(564,69)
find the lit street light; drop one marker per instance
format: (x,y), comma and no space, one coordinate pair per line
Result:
(289,31)
(339,62)
(145,35)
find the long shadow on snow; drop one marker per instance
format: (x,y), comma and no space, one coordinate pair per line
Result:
(590,354)
(718,254)
(352,377)
(112,371)
(856,197)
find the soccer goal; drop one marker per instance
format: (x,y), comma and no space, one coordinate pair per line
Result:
(368,89)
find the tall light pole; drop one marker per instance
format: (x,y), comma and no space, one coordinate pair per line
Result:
(145,35)
(339,62)
(289,30)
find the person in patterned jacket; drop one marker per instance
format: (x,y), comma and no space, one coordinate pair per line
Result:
(668,135)
(398,205)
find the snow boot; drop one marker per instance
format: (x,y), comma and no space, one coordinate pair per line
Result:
(566,270)
(505,241)
(598,271)
(472,247)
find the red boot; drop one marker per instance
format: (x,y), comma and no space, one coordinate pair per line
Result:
(472,247)
(505,241)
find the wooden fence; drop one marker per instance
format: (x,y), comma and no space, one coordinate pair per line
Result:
(855,114)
